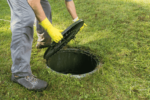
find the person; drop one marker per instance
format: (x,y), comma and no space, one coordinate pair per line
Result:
(23,13)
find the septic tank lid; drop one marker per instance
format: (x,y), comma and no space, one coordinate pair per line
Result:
(68,34)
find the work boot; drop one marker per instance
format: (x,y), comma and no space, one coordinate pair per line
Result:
(41,45)
(30,82)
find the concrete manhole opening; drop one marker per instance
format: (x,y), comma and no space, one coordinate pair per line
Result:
(73,61)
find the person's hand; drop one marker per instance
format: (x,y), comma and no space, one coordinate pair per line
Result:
(83,24)
(54,33)
(61,31)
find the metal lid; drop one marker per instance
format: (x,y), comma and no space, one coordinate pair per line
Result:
(68,34)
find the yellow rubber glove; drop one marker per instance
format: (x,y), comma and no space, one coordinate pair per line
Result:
(53,32)
(61,31)
(83,24)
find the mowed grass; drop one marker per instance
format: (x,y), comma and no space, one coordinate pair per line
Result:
(117,32)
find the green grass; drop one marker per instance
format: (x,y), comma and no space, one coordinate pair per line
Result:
(117,32)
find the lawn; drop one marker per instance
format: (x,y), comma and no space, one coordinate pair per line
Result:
(117,32)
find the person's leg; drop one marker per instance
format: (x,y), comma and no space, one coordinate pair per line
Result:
(44,39)
(22,19)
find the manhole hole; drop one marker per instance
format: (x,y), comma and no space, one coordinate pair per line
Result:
(76,62)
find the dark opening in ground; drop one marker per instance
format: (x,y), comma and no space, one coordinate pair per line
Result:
(72,61)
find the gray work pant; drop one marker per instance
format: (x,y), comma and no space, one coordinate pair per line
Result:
(22,20)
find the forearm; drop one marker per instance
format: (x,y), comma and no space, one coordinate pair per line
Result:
(38,10)
(71,9)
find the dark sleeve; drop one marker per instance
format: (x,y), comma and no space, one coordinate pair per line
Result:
(68,0)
